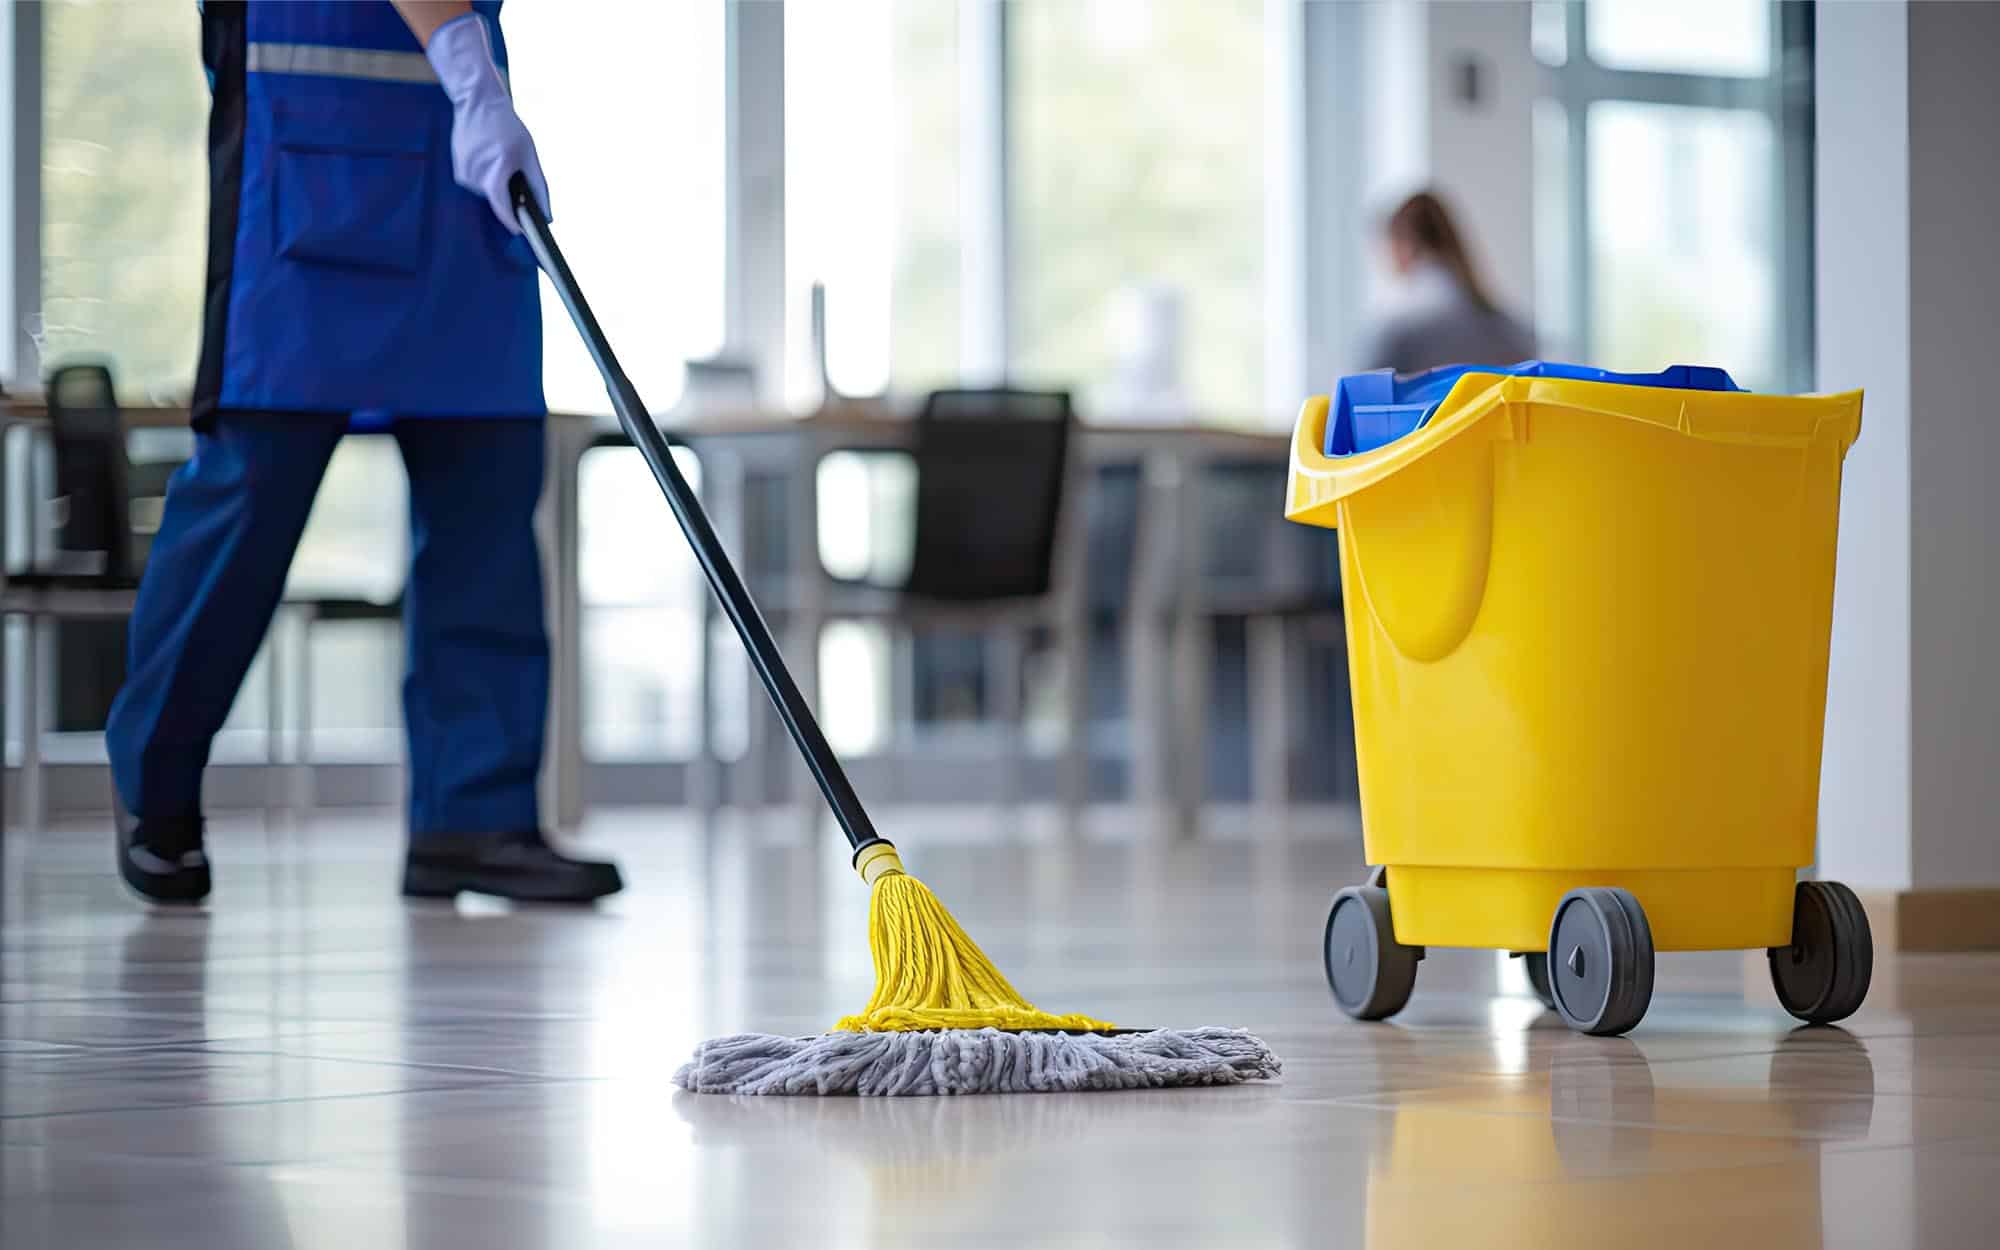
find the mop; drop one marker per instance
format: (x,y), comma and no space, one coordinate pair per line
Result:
(942,1020)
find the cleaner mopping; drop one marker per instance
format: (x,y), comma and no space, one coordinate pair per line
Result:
(352,285)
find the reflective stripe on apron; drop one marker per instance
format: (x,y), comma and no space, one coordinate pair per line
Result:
(329,62)
(317,58)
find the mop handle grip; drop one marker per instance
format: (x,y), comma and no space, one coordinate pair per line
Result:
(729,588)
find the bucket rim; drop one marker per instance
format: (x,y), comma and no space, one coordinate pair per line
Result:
(1499,406)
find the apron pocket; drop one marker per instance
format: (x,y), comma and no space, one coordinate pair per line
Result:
(356,200)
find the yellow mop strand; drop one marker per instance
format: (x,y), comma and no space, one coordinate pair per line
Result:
(928,973)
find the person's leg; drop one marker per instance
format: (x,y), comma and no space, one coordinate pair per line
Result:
(232,519)
(475,694)
(475,690)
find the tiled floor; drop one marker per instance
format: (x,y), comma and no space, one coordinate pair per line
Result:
(311,1063)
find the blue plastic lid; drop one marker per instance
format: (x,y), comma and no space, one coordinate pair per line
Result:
(1371,410)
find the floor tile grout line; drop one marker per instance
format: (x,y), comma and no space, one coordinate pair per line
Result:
(414,1065)
(30,1117)
(210,1048)
(357,1030)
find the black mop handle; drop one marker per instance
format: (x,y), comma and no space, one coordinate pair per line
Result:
(722,575)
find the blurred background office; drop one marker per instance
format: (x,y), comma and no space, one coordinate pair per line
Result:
(1166,217)
(981,328)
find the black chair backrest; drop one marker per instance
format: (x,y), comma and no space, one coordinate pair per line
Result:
(1251,553)
(990,467)
(92,466)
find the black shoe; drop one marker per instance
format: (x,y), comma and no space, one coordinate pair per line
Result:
(519,866)
(164,861)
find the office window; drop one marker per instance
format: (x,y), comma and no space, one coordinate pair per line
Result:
(1681,239)
(124,187)
(1138,184)
(1673,181)
(124,191)
(872,193)
(629,122)
(1685,37)
(642,597)
(627,116)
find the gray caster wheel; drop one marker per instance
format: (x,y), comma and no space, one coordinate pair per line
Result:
(1536,965)
(1600,961)
(1371,974)
(1823,975)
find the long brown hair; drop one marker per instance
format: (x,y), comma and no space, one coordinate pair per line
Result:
(1424,225)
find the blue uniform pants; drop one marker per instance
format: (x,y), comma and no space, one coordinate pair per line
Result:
(475,686)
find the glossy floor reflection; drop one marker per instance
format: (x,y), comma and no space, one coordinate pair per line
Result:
(312,1063)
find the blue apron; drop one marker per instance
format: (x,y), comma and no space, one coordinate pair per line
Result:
(347,273)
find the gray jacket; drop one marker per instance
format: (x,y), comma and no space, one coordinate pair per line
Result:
(1438,324)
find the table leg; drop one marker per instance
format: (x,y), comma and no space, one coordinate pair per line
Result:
(1193,649)
(275,777)
(305,784)
(1148,668)
(1270,714)
(902,704)
(722,482)
(1072,643)
(1006,652)
(34,694)
(808,580)
(562,768)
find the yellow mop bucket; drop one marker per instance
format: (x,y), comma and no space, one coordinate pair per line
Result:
(1587,630)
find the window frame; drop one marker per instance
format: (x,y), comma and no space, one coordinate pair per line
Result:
(21,262)
(1783,95)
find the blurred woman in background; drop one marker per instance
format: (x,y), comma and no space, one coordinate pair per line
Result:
(1443,314)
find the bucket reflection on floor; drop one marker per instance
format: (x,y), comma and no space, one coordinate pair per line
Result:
(1602,1147)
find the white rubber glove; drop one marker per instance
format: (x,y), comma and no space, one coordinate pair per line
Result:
(489,145)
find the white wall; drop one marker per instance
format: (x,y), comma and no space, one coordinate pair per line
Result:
(1863,275)
(1286,259)
(1481,154)
(1954,153)
(1394,97)
(1908,174)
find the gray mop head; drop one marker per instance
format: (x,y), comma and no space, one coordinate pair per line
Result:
(974,1061)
